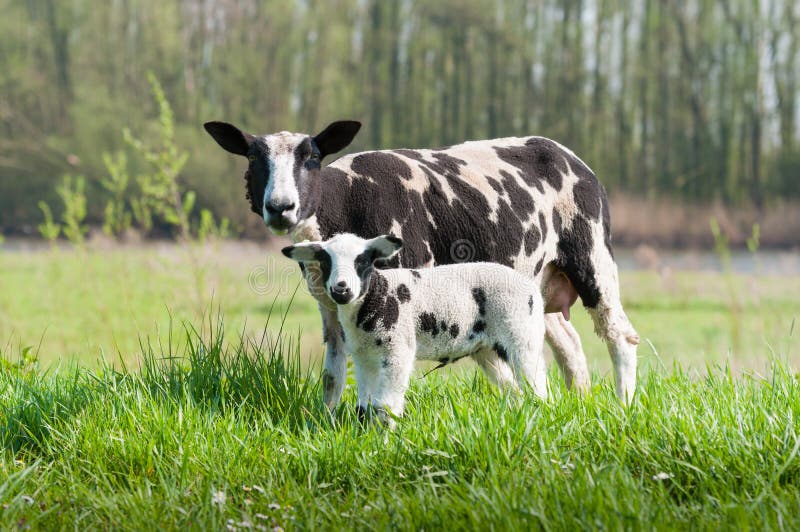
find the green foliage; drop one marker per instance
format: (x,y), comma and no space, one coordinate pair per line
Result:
(117,217)
(210,229)
(72,193)
(49,229)
(160,191)
(599,77)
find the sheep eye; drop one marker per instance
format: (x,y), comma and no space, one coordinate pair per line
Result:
(315,156)
(251,158)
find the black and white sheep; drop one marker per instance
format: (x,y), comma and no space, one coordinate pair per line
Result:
(392,317)
(525,202)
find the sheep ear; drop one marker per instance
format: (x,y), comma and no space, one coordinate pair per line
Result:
(385,247)
(306,252)
(230,137)
(336,136)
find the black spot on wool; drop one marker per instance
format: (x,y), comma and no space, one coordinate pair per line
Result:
(574,248)
(530,304)
(479,327)
(427,323)
(532,240)
(454,330)
(538,266)
(479,295)
(378,305)
(403,293)
(539,160)
(380,162)
(501,351)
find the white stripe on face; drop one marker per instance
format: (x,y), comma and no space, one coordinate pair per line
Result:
(282,188)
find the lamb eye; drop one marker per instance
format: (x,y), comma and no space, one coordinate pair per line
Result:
(315,156)
(251,158)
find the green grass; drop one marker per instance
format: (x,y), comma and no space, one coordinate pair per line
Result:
(213,437)
(114,417)
(86,306)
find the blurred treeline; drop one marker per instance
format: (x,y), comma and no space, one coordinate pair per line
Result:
(694,100)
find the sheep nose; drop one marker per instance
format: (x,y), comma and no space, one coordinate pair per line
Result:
(279,208)
(341,293)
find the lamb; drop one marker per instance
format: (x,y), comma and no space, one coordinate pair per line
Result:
(391,317)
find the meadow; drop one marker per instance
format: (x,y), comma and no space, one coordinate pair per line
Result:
(177,386)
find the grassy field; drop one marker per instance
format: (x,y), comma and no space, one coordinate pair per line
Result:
(97,304)
(184,422)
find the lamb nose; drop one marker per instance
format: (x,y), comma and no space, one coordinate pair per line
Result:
(341,284)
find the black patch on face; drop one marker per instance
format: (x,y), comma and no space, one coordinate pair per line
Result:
(501,351)
(427,323)
(530,305)
(257,175)
(380,162)
(454,330)
(324,261)
(574,249)
(479,296)
(378,305)
(363,265)
(403,293)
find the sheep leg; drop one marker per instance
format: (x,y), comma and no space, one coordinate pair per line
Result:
(527,362)
(367,380)
(334,374)
(567,350)
(496,369)
(394,374)
(610,321)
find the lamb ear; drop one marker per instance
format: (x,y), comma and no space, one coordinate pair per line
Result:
(306,252)
(336,136)
(385,246)
(230,137)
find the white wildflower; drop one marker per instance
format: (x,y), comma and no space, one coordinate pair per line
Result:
(218,498)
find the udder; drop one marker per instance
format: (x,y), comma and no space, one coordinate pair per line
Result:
(557,291)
